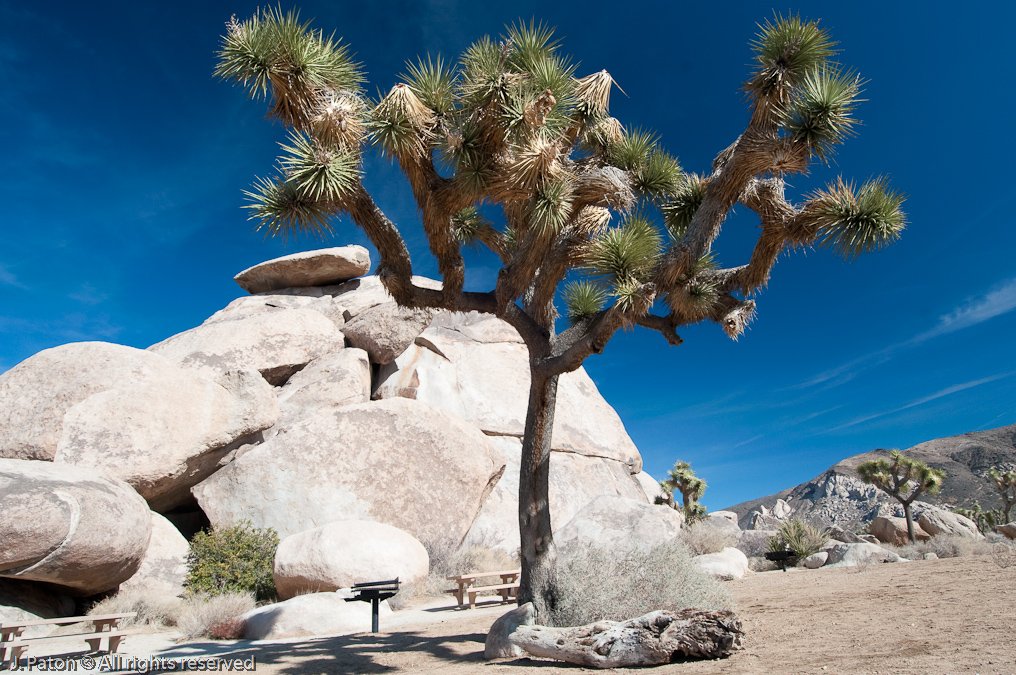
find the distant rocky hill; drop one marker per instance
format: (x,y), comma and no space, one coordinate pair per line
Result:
(838,497)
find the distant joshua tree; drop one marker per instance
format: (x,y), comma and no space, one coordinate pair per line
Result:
(903,479)
(1005,483)
(691,487)
(592,214)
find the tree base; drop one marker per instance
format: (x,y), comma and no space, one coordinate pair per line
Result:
(649,640)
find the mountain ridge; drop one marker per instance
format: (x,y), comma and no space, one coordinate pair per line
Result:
(837,496)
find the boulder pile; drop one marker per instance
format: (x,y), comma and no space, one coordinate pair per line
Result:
(315,406)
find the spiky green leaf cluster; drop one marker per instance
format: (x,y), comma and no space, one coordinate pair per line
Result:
(820,111)
(320,173)
(549,207)
(632,151)
(278,50)
(281,208)
(466,224)
(626,253)
(583,299)
(433,82)
(855,221)
(660,176)
(786,49)
(679,210)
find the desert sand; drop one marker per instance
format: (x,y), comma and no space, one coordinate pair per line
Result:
(934,617)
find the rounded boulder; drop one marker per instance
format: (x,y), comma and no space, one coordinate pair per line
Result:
(70,526)
(340,554)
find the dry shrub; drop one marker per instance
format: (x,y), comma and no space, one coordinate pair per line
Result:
(154,609)
(624,580)
(201,612)
(942,545)
(230,629)
(702,538)
(863,563)
(1004,554)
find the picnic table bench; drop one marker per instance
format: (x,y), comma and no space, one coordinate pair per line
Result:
(105,626)
(507,589)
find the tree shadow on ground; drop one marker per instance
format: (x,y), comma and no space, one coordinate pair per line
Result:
(364,653)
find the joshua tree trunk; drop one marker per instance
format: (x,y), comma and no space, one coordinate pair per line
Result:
(539,556)
(910,522)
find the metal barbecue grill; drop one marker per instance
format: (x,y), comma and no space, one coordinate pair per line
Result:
(374,592)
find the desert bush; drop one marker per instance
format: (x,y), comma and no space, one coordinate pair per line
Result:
(798,536)
(626,580)
(154,609)
(1004,554)
(201,613)
(702,538)
(237,559)
(944,546)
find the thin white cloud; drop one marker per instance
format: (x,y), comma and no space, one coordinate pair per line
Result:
(7,278)
(925,399)
(750,440)
(1000,300)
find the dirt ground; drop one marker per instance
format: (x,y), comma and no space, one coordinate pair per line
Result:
(935,617)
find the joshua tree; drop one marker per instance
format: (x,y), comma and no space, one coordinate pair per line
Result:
(691,487)
(582,198)
(1005,483)
(904,479)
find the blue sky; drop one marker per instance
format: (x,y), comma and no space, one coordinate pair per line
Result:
(123,163)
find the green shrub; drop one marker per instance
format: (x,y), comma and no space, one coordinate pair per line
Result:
(237,559)
(621,581)
(802,538)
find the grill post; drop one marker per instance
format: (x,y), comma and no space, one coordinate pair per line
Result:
(375,607)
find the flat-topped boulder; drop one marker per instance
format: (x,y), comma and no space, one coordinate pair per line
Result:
(70,526)
(310,268)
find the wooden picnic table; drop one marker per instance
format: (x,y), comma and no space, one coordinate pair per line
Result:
(507,589)
(104,626)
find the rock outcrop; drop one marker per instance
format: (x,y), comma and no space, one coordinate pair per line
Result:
(611,519)
(889,530)
(322,267)
(276,344)
(853,555)
(730,563)
(164,566)
(939,521)
(399,462)
(487,384)
(164,436)
(70,526)
(839,497)
(268,411)
(338,555)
